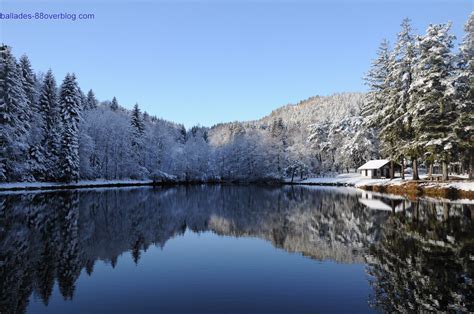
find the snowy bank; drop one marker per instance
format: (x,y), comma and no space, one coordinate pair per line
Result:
(449,189)
(350,179)
(73,185)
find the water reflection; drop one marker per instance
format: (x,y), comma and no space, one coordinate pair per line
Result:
(419,255)
(424,260)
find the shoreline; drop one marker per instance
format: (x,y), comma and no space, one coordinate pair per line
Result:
(407,188)
(48,186)
(414,189)
(451,190)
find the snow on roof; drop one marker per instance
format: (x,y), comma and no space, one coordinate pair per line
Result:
(374,164)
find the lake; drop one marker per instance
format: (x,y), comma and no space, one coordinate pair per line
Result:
(233,249)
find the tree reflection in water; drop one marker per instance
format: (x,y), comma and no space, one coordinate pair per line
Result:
(424,260)
(417,259)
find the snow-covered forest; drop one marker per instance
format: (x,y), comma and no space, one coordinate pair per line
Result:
(418,108)
(421,98)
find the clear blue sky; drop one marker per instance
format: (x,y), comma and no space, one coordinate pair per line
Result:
(216,61)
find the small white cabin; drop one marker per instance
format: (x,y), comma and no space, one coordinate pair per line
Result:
(378,168)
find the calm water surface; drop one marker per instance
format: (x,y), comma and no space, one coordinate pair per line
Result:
(233,249)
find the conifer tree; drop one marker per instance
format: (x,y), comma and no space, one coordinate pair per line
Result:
(432,108)
(137,121)
(13,118)
(114,105)
(70,104)
(394,131)
(35,151)
(377,81)
(464,126)
(29,81)
(51,126)
(82,99)
(138,129)
(91,100)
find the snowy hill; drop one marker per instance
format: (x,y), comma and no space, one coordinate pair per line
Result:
(319,108)
(320,134)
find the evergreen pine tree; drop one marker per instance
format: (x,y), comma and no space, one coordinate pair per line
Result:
(377,82)
(70,104)
(138,129)
(13,118)
(394,132)
(137,121)
(464,126)
(114,105)
(35,150)
(51,126)
(82,99)
(91,100)
(432,108)
(29,81)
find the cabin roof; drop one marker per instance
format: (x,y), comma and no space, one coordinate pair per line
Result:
(374,164)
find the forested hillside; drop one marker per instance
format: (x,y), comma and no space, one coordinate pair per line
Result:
(419,109)
(58,133)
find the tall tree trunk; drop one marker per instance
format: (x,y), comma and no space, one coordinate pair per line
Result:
(445,170)
(402,171)
(430,170)
(415,169)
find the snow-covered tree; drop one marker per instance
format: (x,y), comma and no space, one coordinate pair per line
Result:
(70,105)
(138,143)
(432,108)
(278,135)
(114,105)
(377,81)
(137,121)
(51,125)
(464,83)
(92,102)
(377,108)
(395,130)
(35,156)
(14,122)
(28,80)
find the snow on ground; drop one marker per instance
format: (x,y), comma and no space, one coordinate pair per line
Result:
(355,179)
(465,186)
(82,183)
